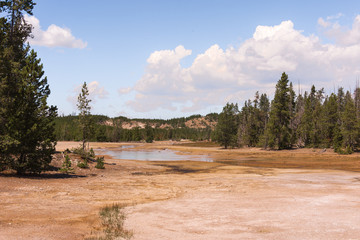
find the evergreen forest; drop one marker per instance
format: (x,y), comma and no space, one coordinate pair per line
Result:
(105,129)
(312,119)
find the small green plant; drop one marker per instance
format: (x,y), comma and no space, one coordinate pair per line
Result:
(84,154)
(100,163)
(66,167)
(83,164)
(91,153)
(346,151)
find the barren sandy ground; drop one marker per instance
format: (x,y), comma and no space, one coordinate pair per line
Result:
(253,194)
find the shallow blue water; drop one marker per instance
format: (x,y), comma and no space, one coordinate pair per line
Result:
(152,155)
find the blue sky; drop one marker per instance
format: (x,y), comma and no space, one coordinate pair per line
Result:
(163,59)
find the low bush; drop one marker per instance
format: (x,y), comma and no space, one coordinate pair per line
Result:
(100,163)
(83,164)
(66,167)
(112,221)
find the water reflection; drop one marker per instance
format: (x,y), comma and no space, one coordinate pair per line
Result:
(152,155)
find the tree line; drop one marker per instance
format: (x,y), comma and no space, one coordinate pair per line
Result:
(67,128)
(312,119)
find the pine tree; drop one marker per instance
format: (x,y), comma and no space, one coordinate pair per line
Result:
(278,130)
(248,129)
(305,125)
(253,118)
(84,115)
(309,130)
(292,109)
(299,112)
(349,124)
(27,138)
(330,119)
(226,129)
(316,133)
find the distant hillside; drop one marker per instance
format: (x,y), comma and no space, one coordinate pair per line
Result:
(195,127)
(194,121)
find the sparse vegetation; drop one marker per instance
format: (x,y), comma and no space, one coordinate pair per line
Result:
(112,221)
(66,167)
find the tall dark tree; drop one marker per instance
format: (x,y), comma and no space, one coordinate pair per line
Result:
(317,105)
(292,110)
(253,118)
(310,126)
(330,121)
(27,138)
(278,130)
(296,121)
(248,129)
(264,106)
(227,127)
(305,126)
(357,101)
(349,127)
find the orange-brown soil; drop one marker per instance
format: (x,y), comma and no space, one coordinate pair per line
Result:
(249,194)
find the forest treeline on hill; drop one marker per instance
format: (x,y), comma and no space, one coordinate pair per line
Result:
(106,129)
(312,119)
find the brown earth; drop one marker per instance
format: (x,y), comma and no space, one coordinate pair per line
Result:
(249,194)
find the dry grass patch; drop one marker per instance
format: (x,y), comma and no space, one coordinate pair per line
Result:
(112,222)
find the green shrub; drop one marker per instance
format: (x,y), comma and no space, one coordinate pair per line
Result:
(91,153)
(66,167)
(83,164)
(100,163)
(346,151)
(83,153)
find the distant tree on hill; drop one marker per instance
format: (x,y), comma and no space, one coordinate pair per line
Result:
(149,133)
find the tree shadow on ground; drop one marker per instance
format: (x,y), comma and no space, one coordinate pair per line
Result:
(46,175)
(181,169)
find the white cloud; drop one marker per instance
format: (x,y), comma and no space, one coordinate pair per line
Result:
(123,91)
(95,92)
(336,16)
(324,23)
(342,35)
(54,36)
(234,74)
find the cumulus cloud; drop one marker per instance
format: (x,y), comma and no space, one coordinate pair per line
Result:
(95,92)
(342,35)
(53,36)
(234,74)
(123,91)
